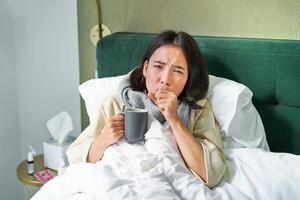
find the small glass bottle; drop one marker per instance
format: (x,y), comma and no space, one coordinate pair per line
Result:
(30,162)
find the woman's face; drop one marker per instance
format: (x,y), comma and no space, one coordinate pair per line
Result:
(166,69)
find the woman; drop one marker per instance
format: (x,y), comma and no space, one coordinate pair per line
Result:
(172,84)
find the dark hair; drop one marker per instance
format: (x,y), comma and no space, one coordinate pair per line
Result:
(196,86)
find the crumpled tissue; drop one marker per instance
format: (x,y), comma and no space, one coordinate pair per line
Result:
(60,126)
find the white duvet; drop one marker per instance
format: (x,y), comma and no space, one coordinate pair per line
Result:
(155,170)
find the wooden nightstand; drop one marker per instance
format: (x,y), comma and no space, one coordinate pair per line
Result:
(30,179)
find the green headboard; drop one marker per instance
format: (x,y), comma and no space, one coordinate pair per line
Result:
(270,68)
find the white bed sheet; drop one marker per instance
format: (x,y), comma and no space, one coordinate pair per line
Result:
(264,175)
(155,170)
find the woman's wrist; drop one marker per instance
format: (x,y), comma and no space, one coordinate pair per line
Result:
(175,122)
(99,145)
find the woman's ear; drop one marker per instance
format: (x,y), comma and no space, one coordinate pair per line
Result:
(145,68)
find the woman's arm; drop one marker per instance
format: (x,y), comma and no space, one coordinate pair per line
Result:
(201,148)
(112,132)
(96,150)
(208,163)
(89,146)
(189,147)
(191,150)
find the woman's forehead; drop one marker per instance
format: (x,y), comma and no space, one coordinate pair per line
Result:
(169,53)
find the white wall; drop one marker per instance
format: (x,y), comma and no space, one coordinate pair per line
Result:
(47,67)
(10,153)
(39,77)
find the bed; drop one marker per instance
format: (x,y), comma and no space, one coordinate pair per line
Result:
(261,151)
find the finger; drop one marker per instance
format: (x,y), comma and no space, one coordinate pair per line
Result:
(117,123)
(165,106)
(112,125)
(122,114)
(116,118)
(118,127)
(162,106)
(161,94)
(167,103)
(115,131)
(119,130)
(162,101)
(112,121)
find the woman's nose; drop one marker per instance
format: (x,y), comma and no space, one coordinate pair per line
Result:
(166,78)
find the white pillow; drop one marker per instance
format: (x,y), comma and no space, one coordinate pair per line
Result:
(94,90)
(240,123)
(231,103)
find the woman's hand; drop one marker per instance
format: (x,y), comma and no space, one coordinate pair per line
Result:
(167,103)
(113,129)
(111,133)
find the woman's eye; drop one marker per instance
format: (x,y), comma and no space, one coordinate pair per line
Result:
(157,66)
(178,71)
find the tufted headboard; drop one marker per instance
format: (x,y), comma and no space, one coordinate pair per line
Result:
(270,68)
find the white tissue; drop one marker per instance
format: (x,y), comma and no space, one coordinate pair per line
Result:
(60,126)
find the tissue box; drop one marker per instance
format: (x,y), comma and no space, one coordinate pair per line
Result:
(53,152)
